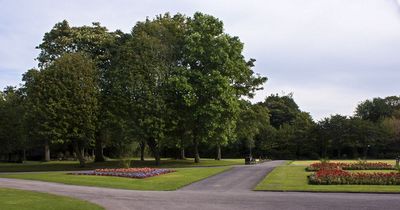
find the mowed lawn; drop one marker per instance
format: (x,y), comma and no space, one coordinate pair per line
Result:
(170,181)
(74,165)
(293,177)
(12,199)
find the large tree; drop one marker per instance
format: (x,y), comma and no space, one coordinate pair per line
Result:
(214,61)
(63,102)
(147,79)
(97,43)
(12,124)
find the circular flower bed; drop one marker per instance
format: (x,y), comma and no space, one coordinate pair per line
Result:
(138,173)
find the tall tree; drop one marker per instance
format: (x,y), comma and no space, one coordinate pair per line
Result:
(63,100)
(13,137)
(40,116)
(96,42)
(145,68)
(214,59)
(253,119)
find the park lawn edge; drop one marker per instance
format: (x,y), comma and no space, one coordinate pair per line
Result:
(54,166)
(48,197)
(25,176)
(369,189)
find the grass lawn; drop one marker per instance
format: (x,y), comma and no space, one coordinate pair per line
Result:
(294,178)
(11,199)
(74,165)
(170,181)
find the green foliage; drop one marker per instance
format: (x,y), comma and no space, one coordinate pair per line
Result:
(283,109)
(378,108)
(13,137)
(62,101)
(173,82)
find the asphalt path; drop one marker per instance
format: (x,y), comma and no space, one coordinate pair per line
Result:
(239,178)
(208,194)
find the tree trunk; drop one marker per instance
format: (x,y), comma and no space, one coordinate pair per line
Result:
(154,149)
(79,154)
(218,152)
(142,149)
(196,150)
(46,151)
(99,155)
(183,157)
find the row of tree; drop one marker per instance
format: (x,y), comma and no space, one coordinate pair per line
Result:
(172,80)
(173,83)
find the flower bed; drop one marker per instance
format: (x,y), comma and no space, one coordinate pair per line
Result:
(138,173)
(350,166)
(338,176)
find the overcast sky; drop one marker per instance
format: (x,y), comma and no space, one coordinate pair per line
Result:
(331,54)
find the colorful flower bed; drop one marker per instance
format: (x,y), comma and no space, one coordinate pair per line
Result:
(138,173)
(350,166)
(339,176)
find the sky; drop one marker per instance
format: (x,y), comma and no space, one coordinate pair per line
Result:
(331,54)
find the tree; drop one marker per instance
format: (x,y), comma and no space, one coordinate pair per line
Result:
(336,131)
(253,119)
(144,70)
(97,43)
(283,109)
(40,115)
(213,59)
(378,108)
(63,101)
(365,134)
(12,125)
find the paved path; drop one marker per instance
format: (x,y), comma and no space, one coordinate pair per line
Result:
(238,178)
(236,196)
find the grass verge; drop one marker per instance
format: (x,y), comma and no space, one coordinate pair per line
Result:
(170,181)
(74,165)
(294,178)
(12,199)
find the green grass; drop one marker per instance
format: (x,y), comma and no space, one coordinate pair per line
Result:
(170,181)
(294,178)
(74,165)
(308,162)
(11,199)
